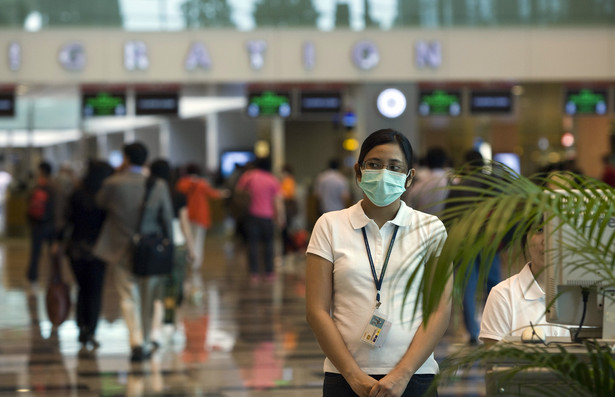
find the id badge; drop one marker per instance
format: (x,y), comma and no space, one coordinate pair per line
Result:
(376,330)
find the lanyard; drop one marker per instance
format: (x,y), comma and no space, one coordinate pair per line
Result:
(378,281)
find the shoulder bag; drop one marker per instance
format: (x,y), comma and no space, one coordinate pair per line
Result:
(57,297)
(152,253)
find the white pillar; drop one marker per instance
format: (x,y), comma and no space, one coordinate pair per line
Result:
(165,138)
(277,144)
(212,155)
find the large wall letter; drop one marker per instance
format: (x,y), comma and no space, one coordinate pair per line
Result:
(14,56)
(428,54)
(365,55)
(256,50)
(198,57)
(135,55)
(309,55)
(72,57)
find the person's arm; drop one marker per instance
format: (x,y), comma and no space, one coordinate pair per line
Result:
(496,320)
(319,289)
(280,211)
(422,346)
(184,223)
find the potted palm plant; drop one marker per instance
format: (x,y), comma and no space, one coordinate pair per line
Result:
(503,205)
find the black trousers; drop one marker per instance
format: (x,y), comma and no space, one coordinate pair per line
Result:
(336,386)
(40,233)
(260,235)
(89,274)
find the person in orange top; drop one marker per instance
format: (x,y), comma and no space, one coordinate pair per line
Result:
(288,187)
(198,193)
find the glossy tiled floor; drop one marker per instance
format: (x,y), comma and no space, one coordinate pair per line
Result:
(235,339)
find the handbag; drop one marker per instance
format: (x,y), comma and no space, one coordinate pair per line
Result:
(152,254)
(57,298)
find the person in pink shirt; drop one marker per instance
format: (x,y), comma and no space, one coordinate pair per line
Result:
(266,210)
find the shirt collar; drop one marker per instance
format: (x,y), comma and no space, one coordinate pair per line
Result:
(529,287)
(358,219)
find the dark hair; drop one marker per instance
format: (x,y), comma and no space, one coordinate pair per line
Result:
(162,169)
(193,169)
(474,158)
(136,153)
(334,164)
(436,157)
(44,168)
(97,172)
(382,137)
(263,163)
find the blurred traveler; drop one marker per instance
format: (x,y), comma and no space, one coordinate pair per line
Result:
(291,206)
(83,220)
(184,248)
(608,173)
(41,217)
(471,177)
(429,187)
(122,197)
(198,192)
(332,188)
(266,207)
(62,184)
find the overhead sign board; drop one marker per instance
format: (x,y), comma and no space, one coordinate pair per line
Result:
(439,102)
(161,103)
(586,102)
(269,103)
(320,102)
(7,104)
(103,104)
(490,101)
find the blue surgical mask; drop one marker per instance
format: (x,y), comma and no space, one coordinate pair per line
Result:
(382,187)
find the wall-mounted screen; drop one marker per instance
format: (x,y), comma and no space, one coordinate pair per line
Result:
(439,103)
(7,104)
(103,104)
(321,102)
(586,102)
(269,103)
(161,103)
(491,102)
(229,160)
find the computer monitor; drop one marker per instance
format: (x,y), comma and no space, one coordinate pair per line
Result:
(576,279)
(231,158)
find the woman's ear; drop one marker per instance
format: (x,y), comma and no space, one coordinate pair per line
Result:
(357,171)
(410,177)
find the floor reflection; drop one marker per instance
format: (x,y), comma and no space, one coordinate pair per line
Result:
(232,338)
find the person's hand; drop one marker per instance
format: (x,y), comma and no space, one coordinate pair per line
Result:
(190,254)
(389,386)
(362,384)
(55,248)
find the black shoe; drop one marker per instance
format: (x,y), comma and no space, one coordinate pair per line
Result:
(138,355)
(473,341)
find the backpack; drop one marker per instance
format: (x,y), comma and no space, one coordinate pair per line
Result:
(39,204)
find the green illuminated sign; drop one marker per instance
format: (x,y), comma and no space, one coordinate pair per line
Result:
(586,101)
(269,103)
(104,104)
(439,102)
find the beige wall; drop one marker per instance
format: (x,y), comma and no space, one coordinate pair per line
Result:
(467,54)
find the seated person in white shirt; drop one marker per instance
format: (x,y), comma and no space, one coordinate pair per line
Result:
(520,299)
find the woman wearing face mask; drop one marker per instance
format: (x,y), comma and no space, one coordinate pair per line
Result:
(358,262)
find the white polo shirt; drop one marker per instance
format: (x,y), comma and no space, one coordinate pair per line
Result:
(337,237)
(512,304)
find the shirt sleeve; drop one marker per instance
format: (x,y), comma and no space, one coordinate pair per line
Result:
(320,241)
(497,317)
